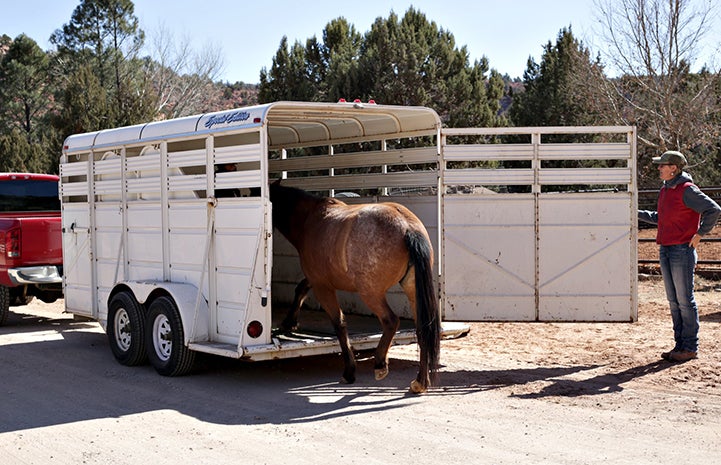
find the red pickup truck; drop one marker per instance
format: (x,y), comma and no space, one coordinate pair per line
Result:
(31,258)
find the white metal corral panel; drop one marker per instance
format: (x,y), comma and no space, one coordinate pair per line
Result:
(560,245)
(489,257)
(584,257)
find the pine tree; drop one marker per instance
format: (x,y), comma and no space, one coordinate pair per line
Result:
(558,90)
(19,155)
(24,87)
(399,61)
(104,37)
(85,104)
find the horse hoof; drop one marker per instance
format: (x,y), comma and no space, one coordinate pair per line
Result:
(417,388)
(345,380)
(381,373)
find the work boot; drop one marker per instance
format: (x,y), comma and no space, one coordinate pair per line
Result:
(682,356)
(667,355)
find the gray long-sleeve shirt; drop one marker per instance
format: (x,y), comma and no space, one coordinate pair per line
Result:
(694,199)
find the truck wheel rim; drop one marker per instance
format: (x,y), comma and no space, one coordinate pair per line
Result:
(162,337)
(121,326)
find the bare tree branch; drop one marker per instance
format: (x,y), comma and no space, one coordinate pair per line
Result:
(653,45)
(182,77)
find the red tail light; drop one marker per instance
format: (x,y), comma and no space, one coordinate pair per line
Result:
(12,243)
(255,329)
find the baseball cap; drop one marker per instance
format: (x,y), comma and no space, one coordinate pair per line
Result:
(671,157)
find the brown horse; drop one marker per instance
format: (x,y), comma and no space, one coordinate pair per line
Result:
(365,249)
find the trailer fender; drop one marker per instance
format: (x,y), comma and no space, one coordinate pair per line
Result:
(193,307)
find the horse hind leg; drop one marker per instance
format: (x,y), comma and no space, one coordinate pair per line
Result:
(329,301)
(389,323)
(290,322)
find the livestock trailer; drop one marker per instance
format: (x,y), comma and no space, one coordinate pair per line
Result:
(527,224)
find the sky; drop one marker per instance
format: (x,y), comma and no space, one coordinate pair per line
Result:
(248,33)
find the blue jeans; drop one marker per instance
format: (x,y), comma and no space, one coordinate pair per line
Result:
(677,266)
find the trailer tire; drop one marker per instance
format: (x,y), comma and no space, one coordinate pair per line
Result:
(165,339)
(126,329)
(4,304)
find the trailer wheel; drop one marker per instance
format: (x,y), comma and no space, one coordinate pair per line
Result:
(165,340)
(126,329)
(4,304)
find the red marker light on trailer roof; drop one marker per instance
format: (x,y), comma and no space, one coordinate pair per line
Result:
(341,100)
(372,102)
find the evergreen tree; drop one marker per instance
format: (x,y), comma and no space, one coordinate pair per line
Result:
(24,87)
(413,62)
(406,61)
(288,78)
(103,37)
(336,62)
(85,104)
(18,154)
(558,90)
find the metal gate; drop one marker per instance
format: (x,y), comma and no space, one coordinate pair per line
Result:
(539,224)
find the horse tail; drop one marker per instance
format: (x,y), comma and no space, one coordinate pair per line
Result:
(428,319)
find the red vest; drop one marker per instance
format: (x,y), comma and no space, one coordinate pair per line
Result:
(677,223)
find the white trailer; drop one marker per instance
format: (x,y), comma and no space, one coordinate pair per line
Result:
(170,269)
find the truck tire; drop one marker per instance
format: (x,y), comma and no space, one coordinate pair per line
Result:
(126,329)
(165,340)
(4,304)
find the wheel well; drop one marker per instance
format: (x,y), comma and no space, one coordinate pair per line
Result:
(157,292)
(117,290)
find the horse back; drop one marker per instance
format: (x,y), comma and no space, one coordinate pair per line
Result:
(352,247)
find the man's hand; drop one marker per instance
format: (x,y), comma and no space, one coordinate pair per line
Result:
(694,241)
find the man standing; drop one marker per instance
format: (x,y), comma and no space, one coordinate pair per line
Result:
(683,215)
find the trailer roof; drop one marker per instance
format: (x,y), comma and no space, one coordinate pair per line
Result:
(289,124)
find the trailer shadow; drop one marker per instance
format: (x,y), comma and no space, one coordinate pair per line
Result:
(75,378)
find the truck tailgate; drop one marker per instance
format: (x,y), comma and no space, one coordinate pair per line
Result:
(41,241)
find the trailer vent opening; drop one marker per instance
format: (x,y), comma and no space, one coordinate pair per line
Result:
(255,329)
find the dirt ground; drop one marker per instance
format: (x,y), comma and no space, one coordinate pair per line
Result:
(509,393)
(623,352)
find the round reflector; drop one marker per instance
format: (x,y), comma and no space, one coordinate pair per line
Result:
(255,329)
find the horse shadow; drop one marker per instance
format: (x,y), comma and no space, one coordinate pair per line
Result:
(311,390)
(558,383)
